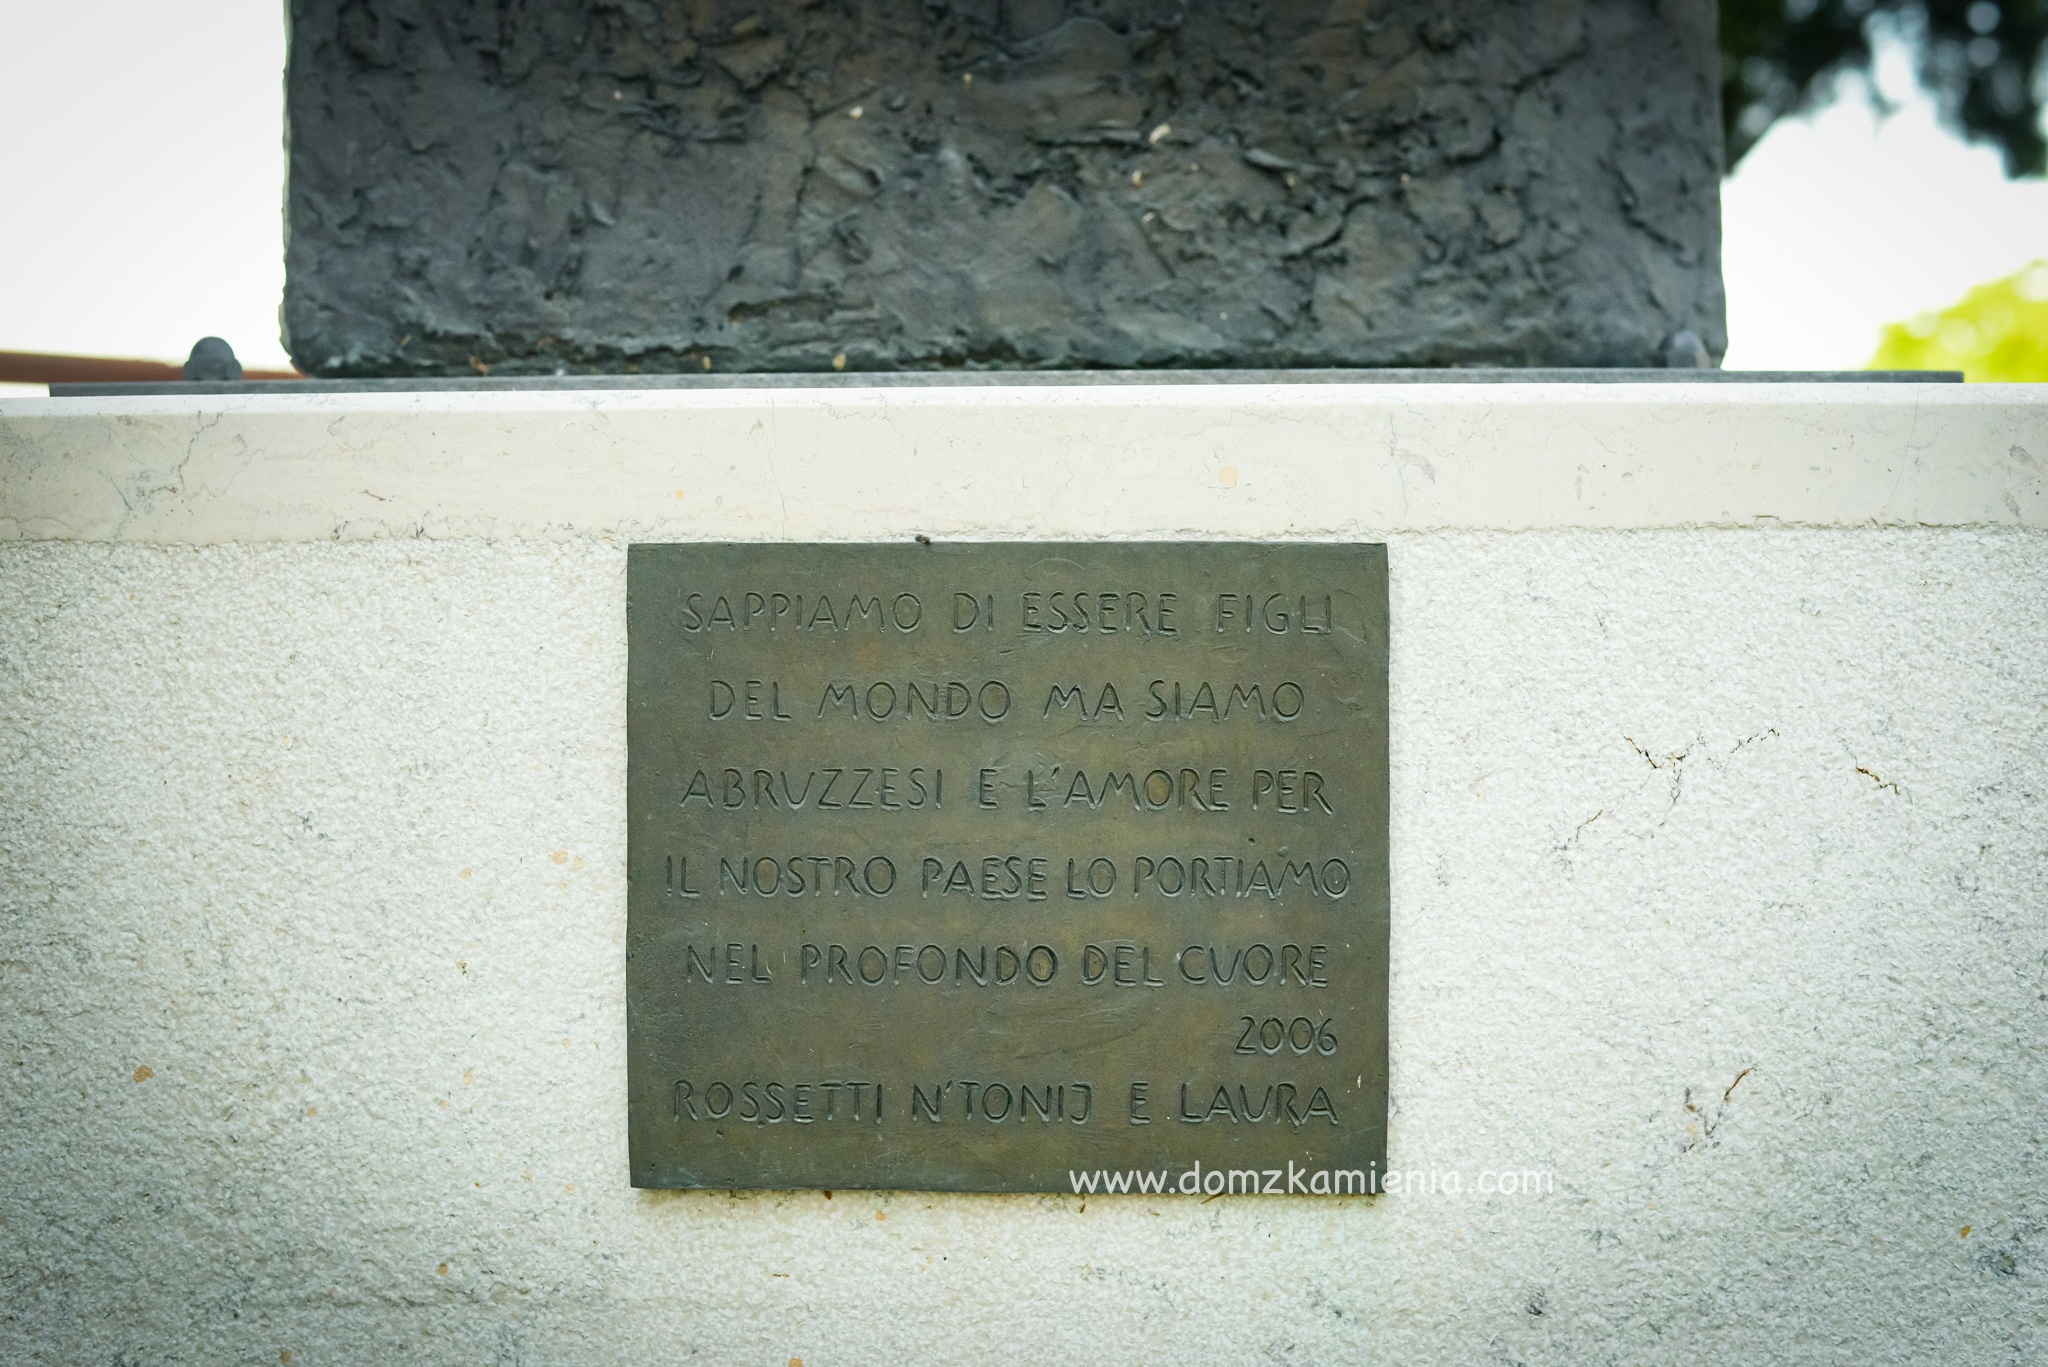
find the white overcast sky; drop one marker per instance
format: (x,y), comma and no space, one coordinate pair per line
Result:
(142,184)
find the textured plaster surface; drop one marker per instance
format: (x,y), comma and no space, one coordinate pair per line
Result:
(1720,892)
(833,465)
(891,184)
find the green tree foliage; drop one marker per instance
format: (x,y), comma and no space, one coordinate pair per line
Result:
(1981,59)
(1998,331)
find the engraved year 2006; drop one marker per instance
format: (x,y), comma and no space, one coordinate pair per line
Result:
(1298,1036)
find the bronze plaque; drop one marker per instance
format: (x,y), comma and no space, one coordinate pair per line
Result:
(1010,867)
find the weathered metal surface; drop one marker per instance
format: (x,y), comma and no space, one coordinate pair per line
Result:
(973,867)
(780,185)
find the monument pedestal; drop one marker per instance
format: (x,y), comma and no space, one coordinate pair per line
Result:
(1719,760)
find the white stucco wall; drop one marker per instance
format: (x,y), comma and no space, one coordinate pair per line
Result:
(1720,880)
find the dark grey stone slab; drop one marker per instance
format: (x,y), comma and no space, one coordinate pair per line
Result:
(999,183)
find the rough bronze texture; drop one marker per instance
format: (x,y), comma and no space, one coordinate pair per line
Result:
(978,867)
(533,188)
